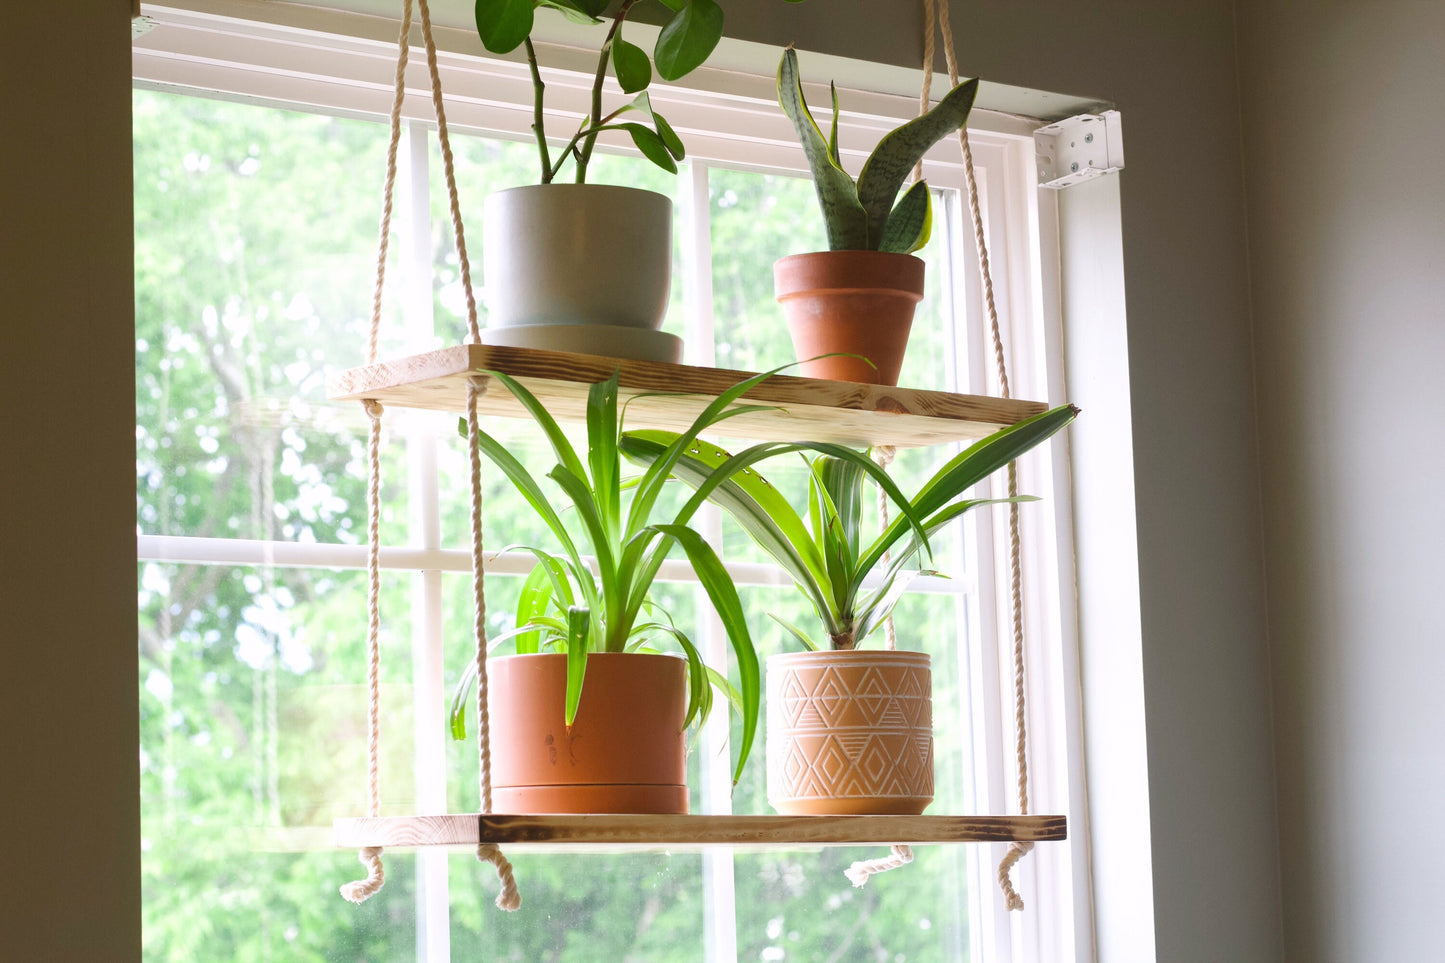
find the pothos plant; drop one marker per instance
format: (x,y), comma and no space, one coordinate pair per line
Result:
(590,593)
(827,557)
(691,31)
(861,215)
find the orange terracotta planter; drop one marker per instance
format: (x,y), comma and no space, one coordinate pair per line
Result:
(858,302)
(850,732)
(625,752)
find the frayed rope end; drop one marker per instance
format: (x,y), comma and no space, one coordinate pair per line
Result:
(362,890)
(1016,852)
(859,872)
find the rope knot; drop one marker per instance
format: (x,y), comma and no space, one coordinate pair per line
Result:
(859,872)
(509,898)
(363,889)
(883,455)
(373,408)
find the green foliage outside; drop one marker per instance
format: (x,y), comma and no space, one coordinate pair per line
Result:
(255,234)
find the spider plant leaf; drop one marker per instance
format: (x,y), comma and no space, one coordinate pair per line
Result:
(911,222)
(802,637)
(688,38)
(533,600)
(631,65)
(587,510)
(457,720)
(503,24)
(563,449)
(880,605)
(530,491)
(843,213)
(578,631)
(724,596)
(699,695)
(602,454)
(842,481)
(896,154)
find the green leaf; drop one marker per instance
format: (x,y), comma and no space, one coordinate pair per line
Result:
(533,600)
(563,449)
(457,718)
(630,64)
(503,24)
(688,38)
(578,629)
(897,153)
(602,454)
(802,637)
(833,127)
(724,597)
(572,11)
(911,222)
(652,146)
(669,137)
(843,214)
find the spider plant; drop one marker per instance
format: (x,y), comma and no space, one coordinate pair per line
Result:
(592,595)
(826,556)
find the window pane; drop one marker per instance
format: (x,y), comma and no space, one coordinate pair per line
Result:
(255,246)
(253,738)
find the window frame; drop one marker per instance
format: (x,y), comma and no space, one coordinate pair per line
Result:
(725,117)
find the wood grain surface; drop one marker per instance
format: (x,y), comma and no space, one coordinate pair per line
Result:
(690,832)
(807,408)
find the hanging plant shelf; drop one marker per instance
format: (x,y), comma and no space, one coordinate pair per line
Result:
(837,411)
(686,833)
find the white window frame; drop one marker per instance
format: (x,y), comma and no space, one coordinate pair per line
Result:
(343,63)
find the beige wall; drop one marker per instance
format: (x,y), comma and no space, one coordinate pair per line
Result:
(1347,252)
(69,775)
(1169,67)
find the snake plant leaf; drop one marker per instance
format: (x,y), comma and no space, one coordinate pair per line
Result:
(896,154)
(503,24)
(724,597)
(574,11)
(802,637)
(687,38)
(911,222)
(843,214)
(578,630)
(630,64)
(833,126)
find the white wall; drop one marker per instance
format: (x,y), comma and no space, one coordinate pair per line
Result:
(1347,251)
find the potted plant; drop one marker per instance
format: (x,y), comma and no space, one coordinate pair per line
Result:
(551,264)
(850,730)
(853,304)
(587,688)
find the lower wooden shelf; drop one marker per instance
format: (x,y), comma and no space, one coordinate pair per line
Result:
(685,833)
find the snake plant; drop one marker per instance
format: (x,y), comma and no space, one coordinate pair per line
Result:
(827,557)
(861,215)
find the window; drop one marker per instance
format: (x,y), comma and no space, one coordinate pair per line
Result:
(255,250)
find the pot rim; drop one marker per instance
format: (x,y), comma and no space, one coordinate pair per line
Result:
(579,188)
(852,655)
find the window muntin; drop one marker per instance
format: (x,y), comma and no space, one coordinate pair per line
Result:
(747,334)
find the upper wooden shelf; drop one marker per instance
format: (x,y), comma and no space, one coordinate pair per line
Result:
(687,833)
(836,411)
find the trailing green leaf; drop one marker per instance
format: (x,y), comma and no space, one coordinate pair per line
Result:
(911,222)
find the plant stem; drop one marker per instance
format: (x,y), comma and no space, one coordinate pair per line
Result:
(596,121)
(538,127)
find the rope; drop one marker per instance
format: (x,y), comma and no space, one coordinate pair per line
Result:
(399,94)
(509,899)
(859,872)
(370,856)
(1016,850)
(447,167)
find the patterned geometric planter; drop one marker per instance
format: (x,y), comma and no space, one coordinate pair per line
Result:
(850,732)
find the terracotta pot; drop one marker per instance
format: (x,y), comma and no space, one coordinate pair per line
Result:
(625,751)
(850,733)
(859,302)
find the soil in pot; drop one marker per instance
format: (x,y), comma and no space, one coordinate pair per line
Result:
(624,753)
(856,302)
(850,733)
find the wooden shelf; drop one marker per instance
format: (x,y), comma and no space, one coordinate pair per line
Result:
(852,414)
(688,833)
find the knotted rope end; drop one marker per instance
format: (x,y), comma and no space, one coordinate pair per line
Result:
(509,899)
(859,872)
(363,889)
